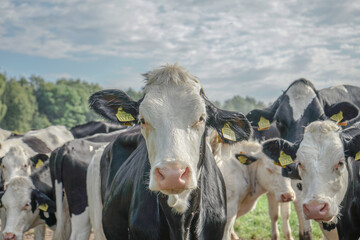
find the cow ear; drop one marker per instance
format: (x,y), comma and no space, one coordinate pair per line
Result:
(341,112)
(39,159)
(281,151)
(43,202)
(116,106)
(245,159)
(261,118)
(352,148)
(231,126)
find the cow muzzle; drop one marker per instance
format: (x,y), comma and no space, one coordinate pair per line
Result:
(287,197)
(317,210)
(172,178)
(9,236)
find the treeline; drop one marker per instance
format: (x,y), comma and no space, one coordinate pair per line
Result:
(33,103)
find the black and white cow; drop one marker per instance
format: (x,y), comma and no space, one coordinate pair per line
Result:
(330,176)
(302,104)
(93,127)
(170,157)
(69,165)
(28,202)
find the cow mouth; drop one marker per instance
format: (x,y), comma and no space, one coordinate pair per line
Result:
(173,191)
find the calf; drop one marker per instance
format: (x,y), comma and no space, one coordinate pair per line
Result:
(29,202)
(246,180)
(187,198)
(330,177)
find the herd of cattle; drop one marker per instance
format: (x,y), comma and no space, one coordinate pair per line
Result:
(174,166)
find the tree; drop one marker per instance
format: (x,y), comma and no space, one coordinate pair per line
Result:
(244,105)
(3,107)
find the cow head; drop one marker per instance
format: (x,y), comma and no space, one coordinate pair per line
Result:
(298,106)
(321,157)
(268,175)
(22,204)
(15,163)
(174,114)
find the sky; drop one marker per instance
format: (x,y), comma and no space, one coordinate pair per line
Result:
(235,47)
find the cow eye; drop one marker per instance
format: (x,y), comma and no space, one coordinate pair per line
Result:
(301,166)
(27,206)
(25,165)
(202,119)
(142,120)
(339,165)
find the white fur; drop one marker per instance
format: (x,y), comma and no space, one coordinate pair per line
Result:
(300,96)
(319,152)
(93,187)
(80,226)
(245,184)
(171,109)
(61,232)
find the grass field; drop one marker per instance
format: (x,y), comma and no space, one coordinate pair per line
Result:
(256,224)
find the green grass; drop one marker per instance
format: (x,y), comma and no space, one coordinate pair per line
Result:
(256,224)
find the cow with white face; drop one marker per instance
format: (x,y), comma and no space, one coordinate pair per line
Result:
(247,177)
(330,177)
(170,156)
(27,203)
(15,163)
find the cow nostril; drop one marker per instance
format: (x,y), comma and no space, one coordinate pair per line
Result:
(324,208)
(9,236)
(158,174)
(185,174)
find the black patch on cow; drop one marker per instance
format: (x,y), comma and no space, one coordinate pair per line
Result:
(50,221)
(36,144)
(328,226)
(93,127)
(299,186)
(69,165)
(1,195)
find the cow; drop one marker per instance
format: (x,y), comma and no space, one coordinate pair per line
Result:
(330,176)
(301,104)
(69,165)
(28,202)
(163,183)
(4,134)
(247,177)
(93,127)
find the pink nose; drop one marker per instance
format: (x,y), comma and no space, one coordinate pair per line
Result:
(316,210)
(9,236)
(287,197)
(172,178)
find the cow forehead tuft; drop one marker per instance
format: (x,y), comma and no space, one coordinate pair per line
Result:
(169,74)
(20,182)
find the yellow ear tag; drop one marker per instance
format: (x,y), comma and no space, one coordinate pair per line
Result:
(242,159)
(124,117)
(44,207)
(337,117)
(228,133)
(357,156)
(285,159)
(263,124)
(39,163)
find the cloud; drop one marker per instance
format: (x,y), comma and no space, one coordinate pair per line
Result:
(235,47)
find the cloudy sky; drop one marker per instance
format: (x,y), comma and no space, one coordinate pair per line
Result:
(254,48)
